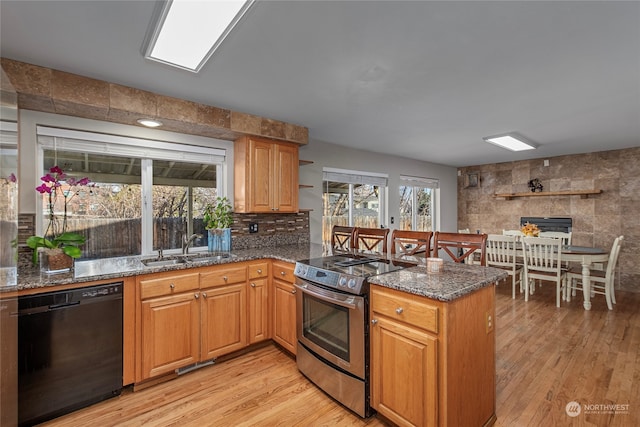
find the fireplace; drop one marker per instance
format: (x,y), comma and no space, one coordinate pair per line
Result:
(549,223)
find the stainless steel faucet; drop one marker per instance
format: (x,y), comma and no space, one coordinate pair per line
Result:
(186,242)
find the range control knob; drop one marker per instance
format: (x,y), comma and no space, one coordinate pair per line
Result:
(342,281)
(352,283)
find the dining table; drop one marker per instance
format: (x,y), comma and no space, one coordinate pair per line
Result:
(585,255)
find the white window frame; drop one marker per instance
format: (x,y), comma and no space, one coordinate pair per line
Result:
(420,182)
(147,150)
(352,178)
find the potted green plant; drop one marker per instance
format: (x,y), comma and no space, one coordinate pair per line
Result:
(218,218)
(57,248)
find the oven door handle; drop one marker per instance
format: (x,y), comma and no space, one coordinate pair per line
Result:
(334,298)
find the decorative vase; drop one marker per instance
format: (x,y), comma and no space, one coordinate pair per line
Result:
(219,240)
(54,261)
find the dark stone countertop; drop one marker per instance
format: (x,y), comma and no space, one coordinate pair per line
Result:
(454,282)
(457,279)
(117,268)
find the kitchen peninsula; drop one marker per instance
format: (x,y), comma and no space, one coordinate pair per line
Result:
(443,325)
(433,345)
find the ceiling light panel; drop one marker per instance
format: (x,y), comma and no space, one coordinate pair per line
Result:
(188,32)
(510,142)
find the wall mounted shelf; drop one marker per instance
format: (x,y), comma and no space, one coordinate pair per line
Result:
(582,193)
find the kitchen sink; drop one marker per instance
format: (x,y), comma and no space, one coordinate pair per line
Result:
(163,262)
(210,258)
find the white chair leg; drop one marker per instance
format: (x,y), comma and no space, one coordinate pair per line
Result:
(558,289)
(607,295)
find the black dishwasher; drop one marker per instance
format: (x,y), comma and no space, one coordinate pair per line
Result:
(69,350)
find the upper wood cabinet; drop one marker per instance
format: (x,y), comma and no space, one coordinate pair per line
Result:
(266,176)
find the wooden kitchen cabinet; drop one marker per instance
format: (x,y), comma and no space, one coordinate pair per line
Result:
(266,176)
(433,362)
(403,368)
(224,310)
(195,316)
(224,320)
(284,305)
(258,302)
(169,323)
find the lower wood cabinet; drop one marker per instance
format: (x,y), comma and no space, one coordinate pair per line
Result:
(404,373)
(433,362)
(169,324)
(192,316)
(284,305)
(224,320)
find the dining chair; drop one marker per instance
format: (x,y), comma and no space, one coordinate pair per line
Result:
(460,246)
(405,242)
(501,253)
(601,282)
(370,240)
(566,237)
(543,261)
(342,238)
(516,233)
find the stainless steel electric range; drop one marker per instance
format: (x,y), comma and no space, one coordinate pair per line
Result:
(332,324)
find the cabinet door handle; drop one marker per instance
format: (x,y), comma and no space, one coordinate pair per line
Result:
(225,278)
(172,286)
(374,321)
(282,273)
(399,310)
(293,291)
(259,271)
(253,285)
(196,295)
(204,295)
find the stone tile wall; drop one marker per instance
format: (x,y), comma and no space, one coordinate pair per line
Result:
(597,220)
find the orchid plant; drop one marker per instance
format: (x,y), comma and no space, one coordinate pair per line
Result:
(56,184)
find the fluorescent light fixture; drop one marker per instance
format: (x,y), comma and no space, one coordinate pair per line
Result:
(188,32)
(150,123)
(510,141)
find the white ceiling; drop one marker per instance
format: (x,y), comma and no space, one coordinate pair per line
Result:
(420,79)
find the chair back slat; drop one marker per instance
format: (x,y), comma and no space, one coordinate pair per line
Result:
(542,254)
(405,242)
(565,237)
(460,246)
(342,238)
(501,250)
(371,240)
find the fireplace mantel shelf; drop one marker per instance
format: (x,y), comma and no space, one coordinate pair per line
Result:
(582,193)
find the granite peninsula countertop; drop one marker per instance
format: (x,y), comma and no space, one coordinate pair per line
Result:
(117,268)
(454,282)
(457,279)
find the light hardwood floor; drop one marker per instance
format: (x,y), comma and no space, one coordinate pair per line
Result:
(546,358)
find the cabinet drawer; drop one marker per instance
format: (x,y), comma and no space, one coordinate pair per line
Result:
(150,288)
(405,308)
(283,271)
(258,270)
(223,276)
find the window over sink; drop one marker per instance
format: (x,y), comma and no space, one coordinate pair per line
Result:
(146,195)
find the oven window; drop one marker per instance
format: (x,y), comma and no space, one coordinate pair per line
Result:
(327,326)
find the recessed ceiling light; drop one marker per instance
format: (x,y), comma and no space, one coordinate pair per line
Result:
(510,141)
(150,123)
(187,32)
